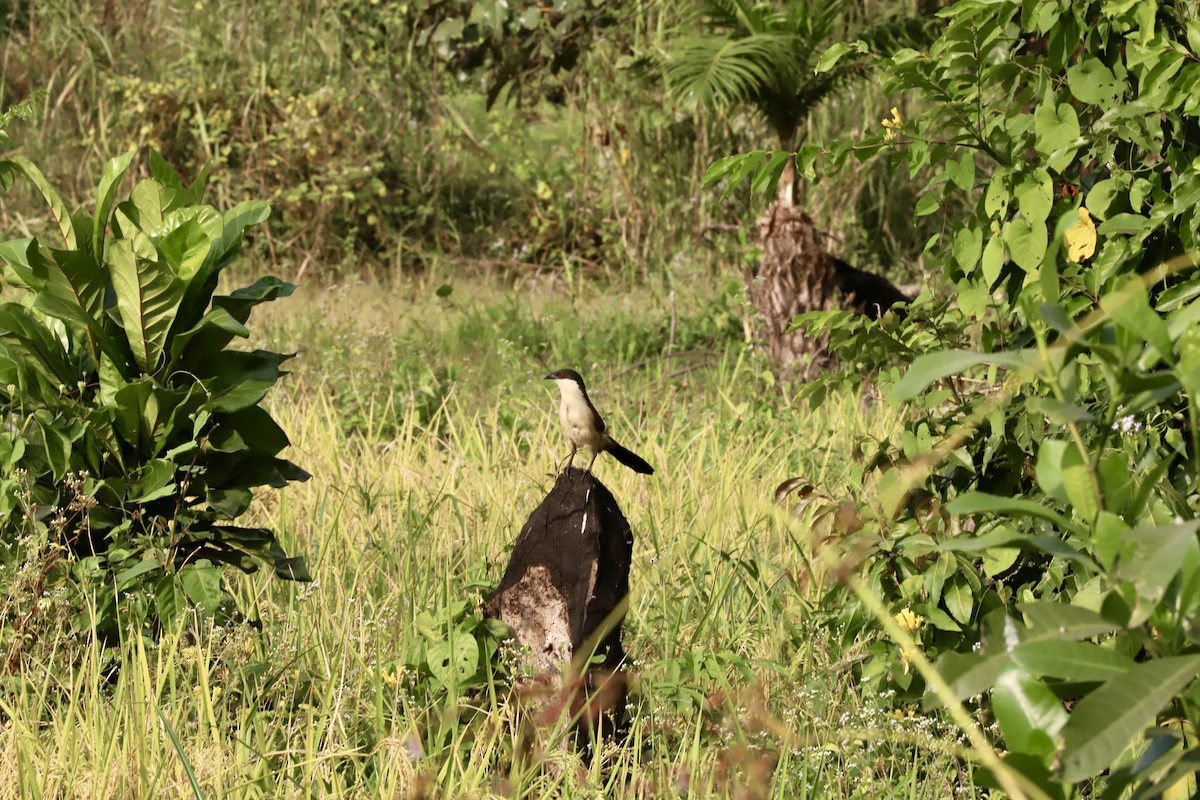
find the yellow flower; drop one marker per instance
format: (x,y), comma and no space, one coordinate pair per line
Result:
(909,622)
(892,126)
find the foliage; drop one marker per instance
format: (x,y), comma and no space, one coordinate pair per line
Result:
(132,433)
(765,55)
(369,130)
(519,46)
(1041,506)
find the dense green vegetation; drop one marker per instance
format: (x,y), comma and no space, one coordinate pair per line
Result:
(980,568)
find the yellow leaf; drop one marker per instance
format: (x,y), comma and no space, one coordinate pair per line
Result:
(1081,237)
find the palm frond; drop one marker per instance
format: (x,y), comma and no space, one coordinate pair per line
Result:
(717,72)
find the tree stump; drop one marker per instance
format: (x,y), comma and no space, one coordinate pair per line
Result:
(563,596)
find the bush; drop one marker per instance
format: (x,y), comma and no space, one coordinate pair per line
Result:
(131,433)
(1036,524)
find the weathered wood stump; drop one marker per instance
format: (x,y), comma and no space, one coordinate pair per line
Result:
(563,595)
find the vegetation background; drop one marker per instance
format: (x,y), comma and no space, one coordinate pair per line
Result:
(468,194)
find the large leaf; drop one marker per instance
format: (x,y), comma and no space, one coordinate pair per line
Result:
(1030,715)
(1106,721)
(58,209)
(68,285)
(1070,660)
(148,298)
(1061,621)
(1004,537)
(1159,555)
(106,194)
(934,366)
(241,379)
(27,339)
(235,221)
(717,72)
(1130,308)
(185,249)
(227,318)
(984,503)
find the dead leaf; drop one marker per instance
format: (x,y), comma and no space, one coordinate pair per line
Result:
(1081,237)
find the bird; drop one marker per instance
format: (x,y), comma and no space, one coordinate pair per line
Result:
(585,427)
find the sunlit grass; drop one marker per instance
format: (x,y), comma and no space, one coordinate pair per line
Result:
(431,436)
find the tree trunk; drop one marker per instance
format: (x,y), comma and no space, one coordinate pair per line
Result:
(795,275)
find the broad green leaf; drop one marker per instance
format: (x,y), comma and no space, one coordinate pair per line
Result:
(1103,723)
(1092,82)
(1102,199)
(958,599)
(1057,133)
(27,338)
(202,583)
(1061,621)
(25,262)
(1130,308)
(968,674)
(185,249)
(984,503)
(996,199)
(1157,557)
(992,260)
(256,429)
(148,298)
(1030,715)
(831,56)
(164,173)
(1116,482)
(170,600)
(1005,538)
(47,438)
(968,246)
(106,193)
(1078,483)
(1049,469)
(58,209)
(154,480)
(934,366)
(453,660)
(218,327)
(125,578)
(1026,242)
(766,177)
(999,559)
(149,204)
(1109,538)
(241,379)
(1070,660)
(1035,196)
(1124,224)
(1059,412)
(74,292)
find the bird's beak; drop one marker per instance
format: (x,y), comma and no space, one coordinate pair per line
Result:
(549,376)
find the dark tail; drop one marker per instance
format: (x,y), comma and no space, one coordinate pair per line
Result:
(630,459)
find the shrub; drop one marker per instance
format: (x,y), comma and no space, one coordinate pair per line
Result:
(131,433)
(1036,522)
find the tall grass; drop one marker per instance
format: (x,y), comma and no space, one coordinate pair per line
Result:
(738,688)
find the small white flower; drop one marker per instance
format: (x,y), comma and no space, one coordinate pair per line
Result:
(1127,424)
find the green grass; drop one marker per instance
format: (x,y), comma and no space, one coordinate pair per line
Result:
(431,436)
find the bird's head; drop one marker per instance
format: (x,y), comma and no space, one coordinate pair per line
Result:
(565,375)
